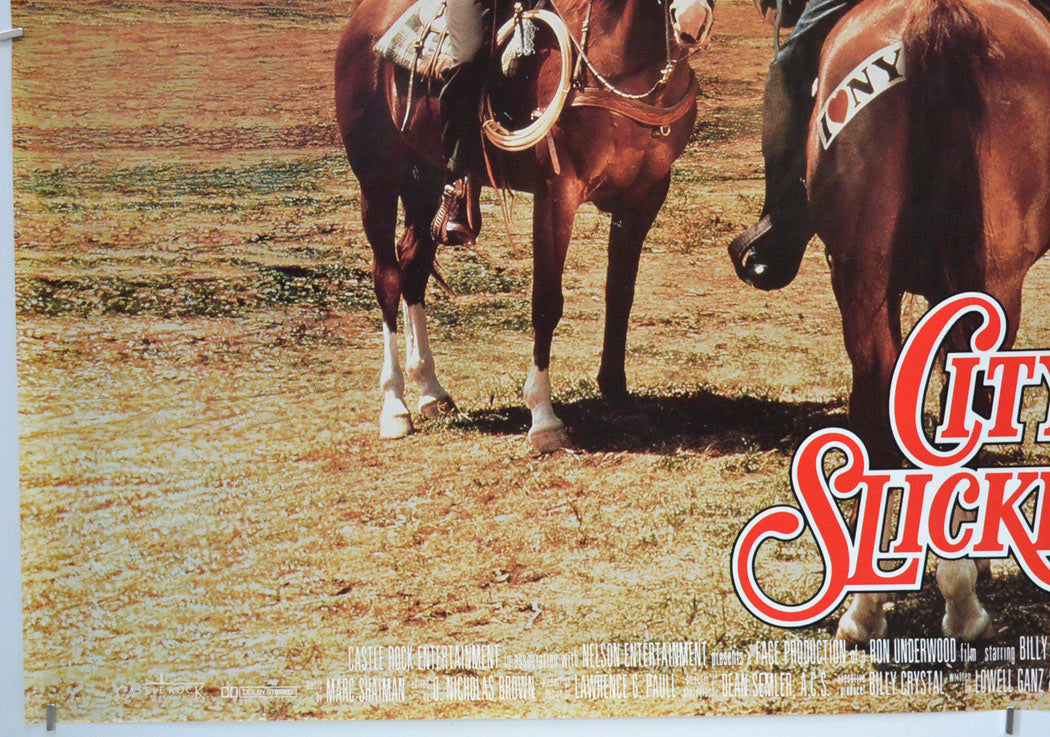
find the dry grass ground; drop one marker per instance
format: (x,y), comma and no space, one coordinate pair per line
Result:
(204,496)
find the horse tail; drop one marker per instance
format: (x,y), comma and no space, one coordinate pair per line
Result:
(945,46)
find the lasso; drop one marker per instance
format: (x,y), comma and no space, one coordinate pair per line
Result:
(538,129)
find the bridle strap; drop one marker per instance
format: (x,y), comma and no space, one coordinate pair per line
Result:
(665,73)
(585,35)
(776,25)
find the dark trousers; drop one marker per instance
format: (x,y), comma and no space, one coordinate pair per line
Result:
(799,57)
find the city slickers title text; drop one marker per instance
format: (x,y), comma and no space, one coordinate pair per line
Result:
(1008,514)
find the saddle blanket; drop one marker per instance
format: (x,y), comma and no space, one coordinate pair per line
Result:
(423,23)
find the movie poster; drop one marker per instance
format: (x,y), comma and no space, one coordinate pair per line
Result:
(213,528)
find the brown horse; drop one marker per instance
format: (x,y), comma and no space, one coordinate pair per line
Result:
(614,158)
(934,186)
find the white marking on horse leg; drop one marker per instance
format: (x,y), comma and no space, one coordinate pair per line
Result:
(964,617)
(547,432)
(864,620)
(419,363)
(394,420)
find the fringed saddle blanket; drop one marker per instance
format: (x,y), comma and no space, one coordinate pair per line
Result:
(418,41)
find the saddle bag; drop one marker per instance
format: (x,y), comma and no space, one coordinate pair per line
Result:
(418,42)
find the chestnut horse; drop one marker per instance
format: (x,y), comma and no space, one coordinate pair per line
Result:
(938,185)
(593,154)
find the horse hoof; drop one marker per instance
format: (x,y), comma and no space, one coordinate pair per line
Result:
(548,441)
(856,635)
(437,408)
(392,427)
(979,629)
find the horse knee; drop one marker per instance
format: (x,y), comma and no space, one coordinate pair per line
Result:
(387,282)
(546,316)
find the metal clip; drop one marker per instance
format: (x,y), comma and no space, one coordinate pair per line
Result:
(51,711)
(11,33)
(1009,720)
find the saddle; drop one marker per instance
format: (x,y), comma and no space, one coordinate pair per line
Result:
(418,42)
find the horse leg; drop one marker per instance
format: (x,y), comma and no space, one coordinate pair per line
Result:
(379,215)
(964,616)
(377,159)
(434,399)
(871,327)
(873,343)
(420,196)
(630,225)
(865,619)
(554,211)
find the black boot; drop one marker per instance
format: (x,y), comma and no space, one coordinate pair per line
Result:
(768,254)
(460,141)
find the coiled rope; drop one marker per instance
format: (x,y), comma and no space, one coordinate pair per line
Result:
(537,130)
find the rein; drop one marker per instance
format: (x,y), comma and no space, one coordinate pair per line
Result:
(581,49)
(777,22)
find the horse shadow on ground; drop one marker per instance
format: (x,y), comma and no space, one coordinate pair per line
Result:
(668,422)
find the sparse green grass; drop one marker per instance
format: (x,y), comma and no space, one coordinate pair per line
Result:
(471,275)
(730,123)
(330,285)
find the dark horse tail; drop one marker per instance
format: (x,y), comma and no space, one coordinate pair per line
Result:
(945,46)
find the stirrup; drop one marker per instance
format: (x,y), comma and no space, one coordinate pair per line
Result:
(768,254)
(742,247)
(447,227)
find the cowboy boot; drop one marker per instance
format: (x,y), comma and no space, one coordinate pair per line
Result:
(451,225)
(768,254)
(460,134)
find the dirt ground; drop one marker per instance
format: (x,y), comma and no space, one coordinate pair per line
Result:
(205,498)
